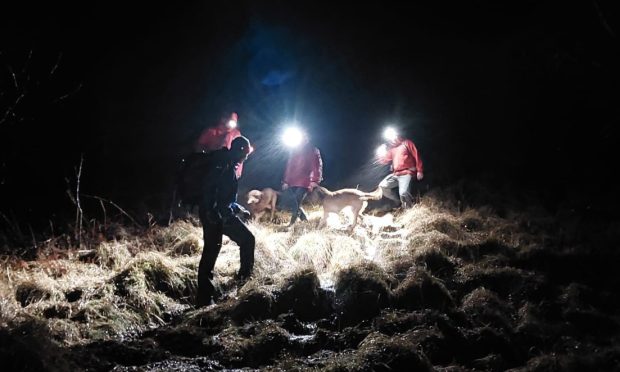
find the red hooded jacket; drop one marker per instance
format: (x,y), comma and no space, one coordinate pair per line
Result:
(215,138)
(304,167)
(404,158)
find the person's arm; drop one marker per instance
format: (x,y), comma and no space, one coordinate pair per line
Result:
(226,193)
(287,174)
(385,158)
(210,194)
(418,160)
(316,176)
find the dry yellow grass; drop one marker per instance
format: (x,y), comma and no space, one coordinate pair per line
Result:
(137,282)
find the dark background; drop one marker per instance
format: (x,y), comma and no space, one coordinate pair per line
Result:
(523,93)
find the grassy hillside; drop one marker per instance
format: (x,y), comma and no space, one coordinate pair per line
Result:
(441,286)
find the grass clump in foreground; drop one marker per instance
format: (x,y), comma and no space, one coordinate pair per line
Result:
(438,286)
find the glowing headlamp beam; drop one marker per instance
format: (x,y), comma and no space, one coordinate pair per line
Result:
(381,151)
(390,134)
(292,137)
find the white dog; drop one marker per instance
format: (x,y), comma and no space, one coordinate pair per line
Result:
(261,201)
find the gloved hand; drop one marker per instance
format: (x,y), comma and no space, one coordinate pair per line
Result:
(241,211)
(246,215)
(381,151)
(420,175)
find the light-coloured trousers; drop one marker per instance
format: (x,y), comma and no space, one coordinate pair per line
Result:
(392,181)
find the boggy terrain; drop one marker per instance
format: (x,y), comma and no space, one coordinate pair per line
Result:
(446,285)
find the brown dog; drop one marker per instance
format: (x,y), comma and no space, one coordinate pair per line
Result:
(335,201)
(261,201)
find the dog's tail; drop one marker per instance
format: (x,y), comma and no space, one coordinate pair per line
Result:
(324,191)
(375,195)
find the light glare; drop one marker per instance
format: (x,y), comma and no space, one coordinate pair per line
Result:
(292,137)
(390,134)
(381,150)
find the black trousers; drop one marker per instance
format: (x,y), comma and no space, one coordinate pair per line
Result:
(239,233)
(298,196)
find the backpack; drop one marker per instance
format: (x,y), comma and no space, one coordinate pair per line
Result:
(191,178)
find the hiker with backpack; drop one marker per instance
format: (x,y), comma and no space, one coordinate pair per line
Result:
(218,209)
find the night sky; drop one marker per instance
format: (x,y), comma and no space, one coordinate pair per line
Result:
(523,93)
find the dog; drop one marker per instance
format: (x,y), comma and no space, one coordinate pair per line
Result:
(261,201)
(335,201)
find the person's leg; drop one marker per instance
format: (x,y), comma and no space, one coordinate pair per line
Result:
(298,194)
(404,194)
(388,186)
(239,233)
(291,202)
(302,214)
(212,236)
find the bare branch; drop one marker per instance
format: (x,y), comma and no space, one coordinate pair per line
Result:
(13,76)
(79,215)
(114,205)
(56,64)
(68,94)
(27,62)
(603,19)
(10,110)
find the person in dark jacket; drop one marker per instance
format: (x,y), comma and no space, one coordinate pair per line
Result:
(304,172)
(218,211)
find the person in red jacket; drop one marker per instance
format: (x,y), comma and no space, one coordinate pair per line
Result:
(405,165)
(304,172)
(220,136)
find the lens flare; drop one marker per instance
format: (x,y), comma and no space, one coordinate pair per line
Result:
(381,150)
(232,124)
(390,134)
(292,137)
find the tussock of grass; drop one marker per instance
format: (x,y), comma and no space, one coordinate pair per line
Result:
(435,261)
(113,255)
(164,238)
(254,303)
(302,295)
(312,249)
(346,252)
(505,281)
(421,290)
(485,307)
(378,352)
(363,291)
(448,282)
(188,246)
